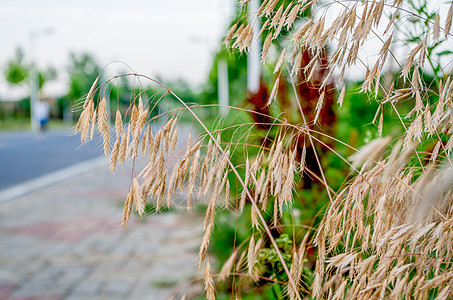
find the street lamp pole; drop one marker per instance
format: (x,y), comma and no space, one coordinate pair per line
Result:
(222,85)
(253,59)
(34,77)
(33,85)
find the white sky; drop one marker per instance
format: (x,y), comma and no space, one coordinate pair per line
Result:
(171,38)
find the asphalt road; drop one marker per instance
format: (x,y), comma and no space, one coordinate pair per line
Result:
(26,155)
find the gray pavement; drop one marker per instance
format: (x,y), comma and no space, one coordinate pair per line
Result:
(65,242)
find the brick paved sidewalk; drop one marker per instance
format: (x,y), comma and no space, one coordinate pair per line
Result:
(66,242)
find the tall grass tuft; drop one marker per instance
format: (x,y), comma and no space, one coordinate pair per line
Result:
(387,232)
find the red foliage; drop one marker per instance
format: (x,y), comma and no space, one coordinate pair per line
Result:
(308,93)
(259,101)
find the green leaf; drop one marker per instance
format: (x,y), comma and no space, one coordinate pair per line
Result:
(445,52)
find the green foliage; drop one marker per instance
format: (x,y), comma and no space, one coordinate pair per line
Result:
(269,263)
(46,75)
(151,208)
(230,230)
(271,267)
(83,71)
(266,292)
(16,72)
(237,79)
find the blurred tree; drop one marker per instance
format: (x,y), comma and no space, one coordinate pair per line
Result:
(83,70)
(120,90)
(16,71)
(17,74)
(237,78)
(46,75)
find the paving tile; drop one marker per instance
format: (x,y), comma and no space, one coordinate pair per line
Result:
(6,290)
(117,288)
(88,288)
(38,298)
(40,289)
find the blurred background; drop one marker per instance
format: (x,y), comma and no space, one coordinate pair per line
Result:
(68,44)
(59,207)
(53,51)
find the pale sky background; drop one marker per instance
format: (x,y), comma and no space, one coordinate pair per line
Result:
(171,39)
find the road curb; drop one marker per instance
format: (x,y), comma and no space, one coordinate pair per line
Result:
(41,182)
